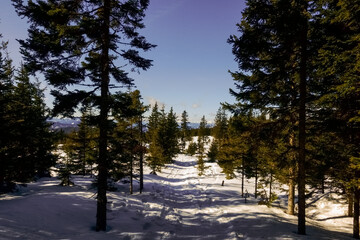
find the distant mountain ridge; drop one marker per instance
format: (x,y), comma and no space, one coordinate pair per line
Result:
(65,124)
(69,124)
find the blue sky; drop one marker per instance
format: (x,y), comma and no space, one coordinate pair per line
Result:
(191,60)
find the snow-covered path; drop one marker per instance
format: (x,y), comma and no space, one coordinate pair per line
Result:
(176,204)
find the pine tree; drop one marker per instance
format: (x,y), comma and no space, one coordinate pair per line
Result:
(26,142)
(219,132)
(273,56)
(35,139)
(6,89)
(338,88)
(76,42)
(156,157)
(203,136)
(171,147)
(162,135)
(184,130)
(220,127)
(81,145)
(126,142)
(203,139)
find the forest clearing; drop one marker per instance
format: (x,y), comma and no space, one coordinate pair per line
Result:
(146,155)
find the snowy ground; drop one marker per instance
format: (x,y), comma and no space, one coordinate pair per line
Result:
(176,204)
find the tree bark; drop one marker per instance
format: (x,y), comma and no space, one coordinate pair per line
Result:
(141,157)
(291,196)
(131,176)
(350,204)
(270,190)
(256,180)
(242,180)
(104,110)
(302,122)
(356,213)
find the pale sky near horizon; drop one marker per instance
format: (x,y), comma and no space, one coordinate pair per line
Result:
(191,60)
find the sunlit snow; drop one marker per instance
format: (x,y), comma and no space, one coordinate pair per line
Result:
(176,204)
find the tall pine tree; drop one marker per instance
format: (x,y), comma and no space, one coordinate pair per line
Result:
(76,43)
(273,57)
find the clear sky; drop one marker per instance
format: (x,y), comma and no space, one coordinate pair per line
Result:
(191,60)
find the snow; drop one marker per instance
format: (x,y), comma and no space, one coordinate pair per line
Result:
(175,204)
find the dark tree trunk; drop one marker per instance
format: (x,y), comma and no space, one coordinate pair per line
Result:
(356,213)
(302,121)
(242,180)
(270,190)
(141,157)
(291,194)
(103,138)
(323,184)
(84,157)
(350,204)
(131,175)
(256,180)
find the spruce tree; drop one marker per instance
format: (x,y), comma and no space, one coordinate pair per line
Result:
(126,141)
(156,158)
(338,87)
(203,136)
(273,56)
(81,144)
(203,139)
(184,130)
(6,90)
(76,43)
(220,125)
(27,143)
(171,146)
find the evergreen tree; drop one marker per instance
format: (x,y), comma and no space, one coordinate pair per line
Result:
(27,142)
(126,142)
(220,127)
(338,87)
(156,155)
(219,132)
(34,139)
(213,152)
(163,132)
(81,145)
(171,143)
(76,43)
(6,89)
(274,57)
(203,139)
(184,130)
(203,136)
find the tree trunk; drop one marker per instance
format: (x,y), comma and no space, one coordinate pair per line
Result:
(104,109)
(256,180)
(141,157)
(302,119)
(291,196)
(270,187)
(350,204)
(242,180)
(323,184)
(356,213)
(84,156)
(131,175)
